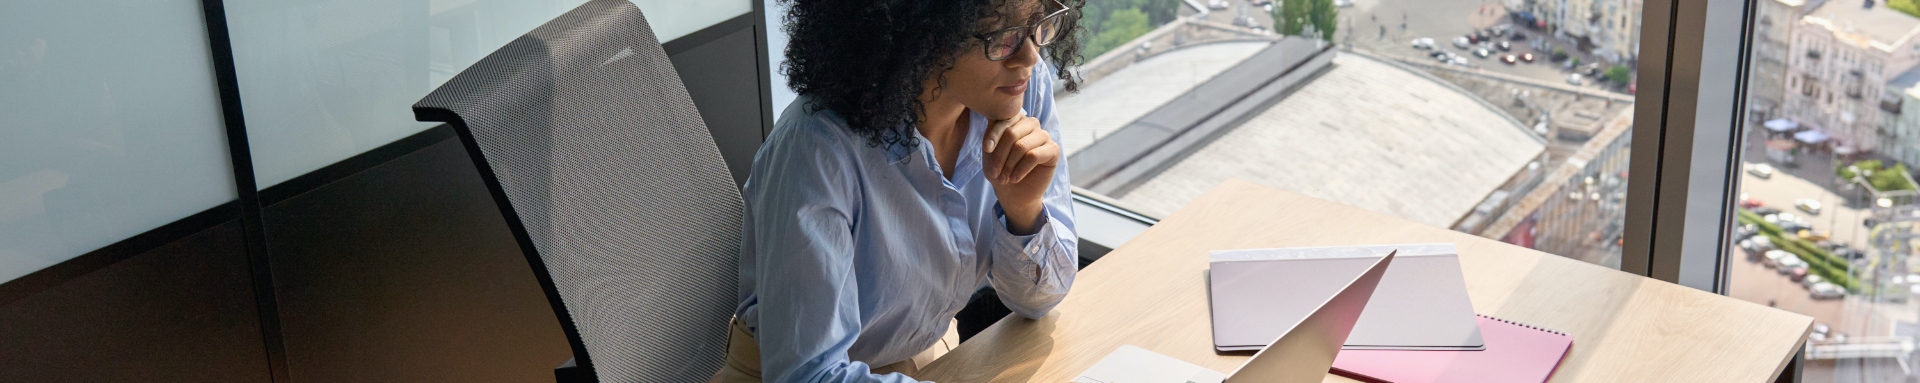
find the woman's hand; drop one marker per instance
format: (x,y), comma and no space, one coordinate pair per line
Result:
(1020,158)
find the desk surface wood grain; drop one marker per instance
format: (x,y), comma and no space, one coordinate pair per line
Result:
(1150,293)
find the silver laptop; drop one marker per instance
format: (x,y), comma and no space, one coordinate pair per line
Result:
(1421,304)
(1300,355)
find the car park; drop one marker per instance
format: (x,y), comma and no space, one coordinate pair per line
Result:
(1763,171)
(1807,205)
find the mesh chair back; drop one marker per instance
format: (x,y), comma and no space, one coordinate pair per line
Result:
(613,187)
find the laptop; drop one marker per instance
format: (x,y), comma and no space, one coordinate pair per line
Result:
(1302,354)
(1421,303)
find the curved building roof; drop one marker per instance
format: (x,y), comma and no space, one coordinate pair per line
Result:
(1363,133)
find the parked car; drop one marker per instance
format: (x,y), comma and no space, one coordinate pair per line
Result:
(1462,42)
(1815,236)
(1423,43)
(1790,262)
(1797,274)
(1503,46)
(1508,59)
(1765,211)
(1775,257)
(1827,290)
(1763,171)
(1811,280)
(1217,5)
(1807,205)
(1749,203)
(1459,60)
(1575,79)
(1517,36)
(1527,57)
(1482,52)
(1342,3)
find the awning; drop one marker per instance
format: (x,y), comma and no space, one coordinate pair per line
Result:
(1781,125)
(1811,136)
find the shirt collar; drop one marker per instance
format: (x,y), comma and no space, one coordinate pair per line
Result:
(898,152)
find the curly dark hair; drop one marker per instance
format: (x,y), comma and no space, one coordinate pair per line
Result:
(868,60)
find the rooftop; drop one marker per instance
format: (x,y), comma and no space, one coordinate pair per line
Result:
(1881,27)
(1364,133)
(1124,96)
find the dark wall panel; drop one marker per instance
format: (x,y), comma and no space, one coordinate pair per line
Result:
(182,312)
(723,77)
(406,273)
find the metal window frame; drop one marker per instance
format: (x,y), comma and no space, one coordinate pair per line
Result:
(1683,172)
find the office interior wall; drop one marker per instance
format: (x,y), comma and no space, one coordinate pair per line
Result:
(406,272)
(104,133)
(719,75)
(776,54)
(384,263)
(326,80)
(183,312)
(403,270)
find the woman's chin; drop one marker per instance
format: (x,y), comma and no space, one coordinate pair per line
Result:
(1003,111)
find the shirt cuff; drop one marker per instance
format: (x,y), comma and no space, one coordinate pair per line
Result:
(1033,250)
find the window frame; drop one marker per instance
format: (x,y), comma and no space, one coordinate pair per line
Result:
(1683,182)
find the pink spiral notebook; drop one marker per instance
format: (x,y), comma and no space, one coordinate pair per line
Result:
(1515,353)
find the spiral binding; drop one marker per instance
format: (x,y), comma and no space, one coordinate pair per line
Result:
(1523,325)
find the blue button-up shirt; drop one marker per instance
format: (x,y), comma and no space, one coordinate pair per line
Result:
(858,256)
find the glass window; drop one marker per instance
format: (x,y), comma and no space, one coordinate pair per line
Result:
(325,80)
(104,134)
(1491,118)
(1827,212)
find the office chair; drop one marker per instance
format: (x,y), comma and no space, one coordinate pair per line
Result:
(612,186)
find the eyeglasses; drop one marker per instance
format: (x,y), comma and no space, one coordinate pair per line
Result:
(1003,43)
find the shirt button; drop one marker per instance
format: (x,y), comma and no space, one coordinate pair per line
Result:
(1033,248)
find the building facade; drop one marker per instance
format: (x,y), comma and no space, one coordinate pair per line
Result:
(1901,124)
(1767,79)
(1842,55)
(1609,29)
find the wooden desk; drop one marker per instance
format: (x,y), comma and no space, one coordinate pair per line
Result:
(1149,293)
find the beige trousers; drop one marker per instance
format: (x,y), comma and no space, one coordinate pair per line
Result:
(743,357)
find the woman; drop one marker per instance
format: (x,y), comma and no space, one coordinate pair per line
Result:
(917,165)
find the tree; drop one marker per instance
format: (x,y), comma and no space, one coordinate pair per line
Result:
(1096,14)
(1121,26)
(1619,74)
(1297,17)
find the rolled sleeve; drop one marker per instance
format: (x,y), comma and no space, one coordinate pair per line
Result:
(1032,273)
